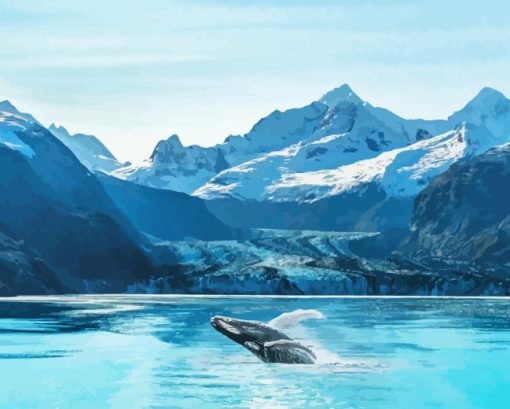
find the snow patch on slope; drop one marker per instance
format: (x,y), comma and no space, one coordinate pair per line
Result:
(10,125)
(248,180)
(402,172)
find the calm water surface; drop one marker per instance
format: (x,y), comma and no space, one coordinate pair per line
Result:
(161,352)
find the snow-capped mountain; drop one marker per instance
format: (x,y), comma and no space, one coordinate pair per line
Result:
(349,130)
(175,167)
(276,131)
(6,106)
(489,108)
(401,172)
(356,144)
(185,169)
(88,149)
(337,112)
(337,129)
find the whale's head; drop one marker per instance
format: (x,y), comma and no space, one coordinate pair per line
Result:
(250,334)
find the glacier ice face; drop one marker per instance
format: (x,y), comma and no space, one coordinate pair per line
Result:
(309,262)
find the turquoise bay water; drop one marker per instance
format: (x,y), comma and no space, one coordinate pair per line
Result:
(161,352)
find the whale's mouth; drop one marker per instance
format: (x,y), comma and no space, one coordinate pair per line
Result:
(225,325)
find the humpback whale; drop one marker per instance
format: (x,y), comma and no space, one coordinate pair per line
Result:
(267,342)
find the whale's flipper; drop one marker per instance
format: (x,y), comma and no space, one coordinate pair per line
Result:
(290,352)
(288,319)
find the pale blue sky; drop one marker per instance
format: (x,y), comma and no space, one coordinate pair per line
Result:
(135,72)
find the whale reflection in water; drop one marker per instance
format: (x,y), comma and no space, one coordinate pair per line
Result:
(266,341)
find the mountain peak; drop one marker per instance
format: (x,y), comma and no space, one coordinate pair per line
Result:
(340,94)
(486,91)
(173,138)
(58,131)
(487,102)
(487,96)
(7,106)
(172,141)
(166,146)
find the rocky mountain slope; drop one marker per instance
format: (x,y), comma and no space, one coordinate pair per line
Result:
(165,214)
(23,273)
(465,213)
(59,211)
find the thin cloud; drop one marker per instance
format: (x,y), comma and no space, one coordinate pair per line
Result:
(102,61)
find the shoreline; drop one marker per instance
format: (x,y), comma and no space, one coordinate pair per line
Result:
(62,297)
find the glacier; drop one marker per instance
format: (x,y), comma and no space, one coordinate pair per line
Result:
(311,263)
